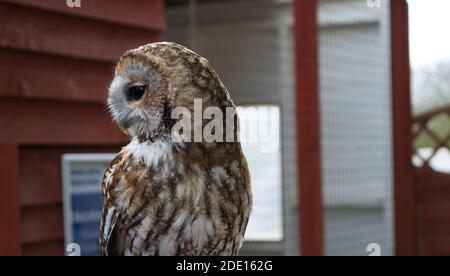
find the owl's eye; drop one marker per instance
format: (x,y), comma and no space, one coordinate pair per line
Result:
(135,93)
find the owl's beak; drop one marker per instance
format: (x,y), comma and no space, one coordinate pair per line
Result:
(122,128)
(127,122)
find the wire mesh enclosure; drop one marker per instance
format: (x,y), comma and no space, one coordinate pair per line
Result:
(251,45)
(356,126)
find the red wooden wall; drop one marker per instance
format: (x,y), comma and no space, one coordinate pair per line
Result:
(432,188)
(405,200)
(433,209)
(55,66)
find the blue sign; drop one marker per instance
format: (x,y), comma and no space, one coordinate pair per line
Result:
(83,200)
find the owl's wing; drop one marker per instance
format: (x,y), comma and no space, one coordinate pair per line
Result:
(109,220)
(110,212)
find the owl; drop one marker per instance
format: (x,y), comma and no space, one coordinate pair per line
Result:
(163,196)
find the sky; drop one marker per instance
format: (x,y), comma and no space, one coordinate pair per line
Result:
(429,32)
(429,44)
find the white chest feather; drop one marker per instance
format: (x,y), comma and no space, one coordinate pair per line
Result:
(151,153)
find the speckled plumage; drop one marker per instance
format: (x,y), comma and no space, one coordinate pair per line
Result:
(163,197)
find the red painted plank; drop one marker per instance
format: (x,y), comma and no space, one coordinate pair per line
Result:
(38,76)
(405,193)
(49,248)
(431,228)
(57,123)
(308,128)
(432,187)
(435,247)
(435,212)
(41,196)
(48,32)
(42,223)
(40,180)
(138,13)
(9,201)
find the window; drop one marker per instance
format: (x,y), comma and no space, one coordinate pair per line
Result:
(260,138)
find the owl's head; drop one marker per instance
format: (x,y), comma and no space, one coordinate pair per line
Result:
(152,80)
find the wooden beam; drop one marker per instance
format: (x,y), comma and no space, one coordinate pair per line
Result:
(405,192)
(9,201)
(136,13)
(35,122)
(308,128)
(41,185)
(50,248)
(54,33)
(67,79)
(42,224)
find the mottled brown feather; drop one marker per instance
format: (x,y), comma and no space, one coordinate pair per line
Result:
(196,200)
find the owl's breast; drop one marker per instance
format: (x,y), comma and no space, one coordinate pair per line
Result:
(175,208)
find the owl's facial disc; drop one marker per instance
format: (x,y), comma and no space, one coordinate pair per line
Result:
(124,123)
(134,94)
(135,101)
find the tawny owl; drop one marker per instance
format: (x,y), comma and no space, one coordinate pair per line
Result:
(166,197)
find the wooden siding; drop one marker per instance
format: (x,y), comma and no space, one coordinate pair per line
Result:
(433,200)
(56,65)
(41,196)
(9,201)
